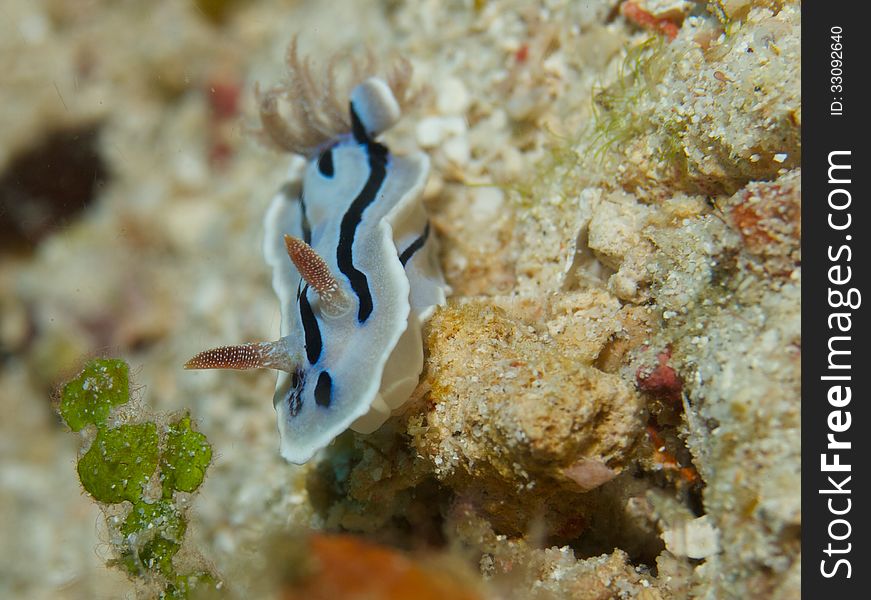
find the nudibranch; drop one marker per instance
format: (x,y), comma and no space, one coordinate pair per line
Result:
(354,263)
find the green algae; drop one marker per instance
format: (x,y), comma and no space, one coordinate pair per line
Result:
(162,515)
(100,387)
(185,458)
(184,586)
(120,462)
(615,107)
(119,467)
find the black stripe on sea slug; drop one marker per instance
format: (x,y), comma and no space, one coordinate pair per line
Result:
(377,154)
(325,163)
(304,224)
(357,129)
(324,389)
(414,246)
(294,396)
(294,402)
(312,331)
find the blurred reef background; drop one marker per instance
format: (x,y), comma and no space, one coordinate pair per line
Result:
(610,406)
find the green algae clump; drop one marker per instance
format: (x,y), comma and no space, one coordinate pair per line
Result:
(147,523)
(185,458)
(101,386)
(120,462)
(162,514)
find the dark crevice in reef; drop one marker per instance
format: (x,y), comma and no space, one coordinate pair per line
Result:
(611,527)
(47,185)
(401,506)
(695,501)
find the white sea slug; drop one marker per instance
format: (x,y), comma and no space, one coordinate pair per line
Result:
(362,273)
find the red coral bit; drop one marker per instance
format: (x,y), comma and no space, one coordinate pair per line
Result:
(644,19)
(768,217)
(661,381)
(667,459)
(223,98)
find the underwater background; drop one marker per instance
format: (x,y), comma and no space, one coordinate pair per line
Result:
(610,400)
